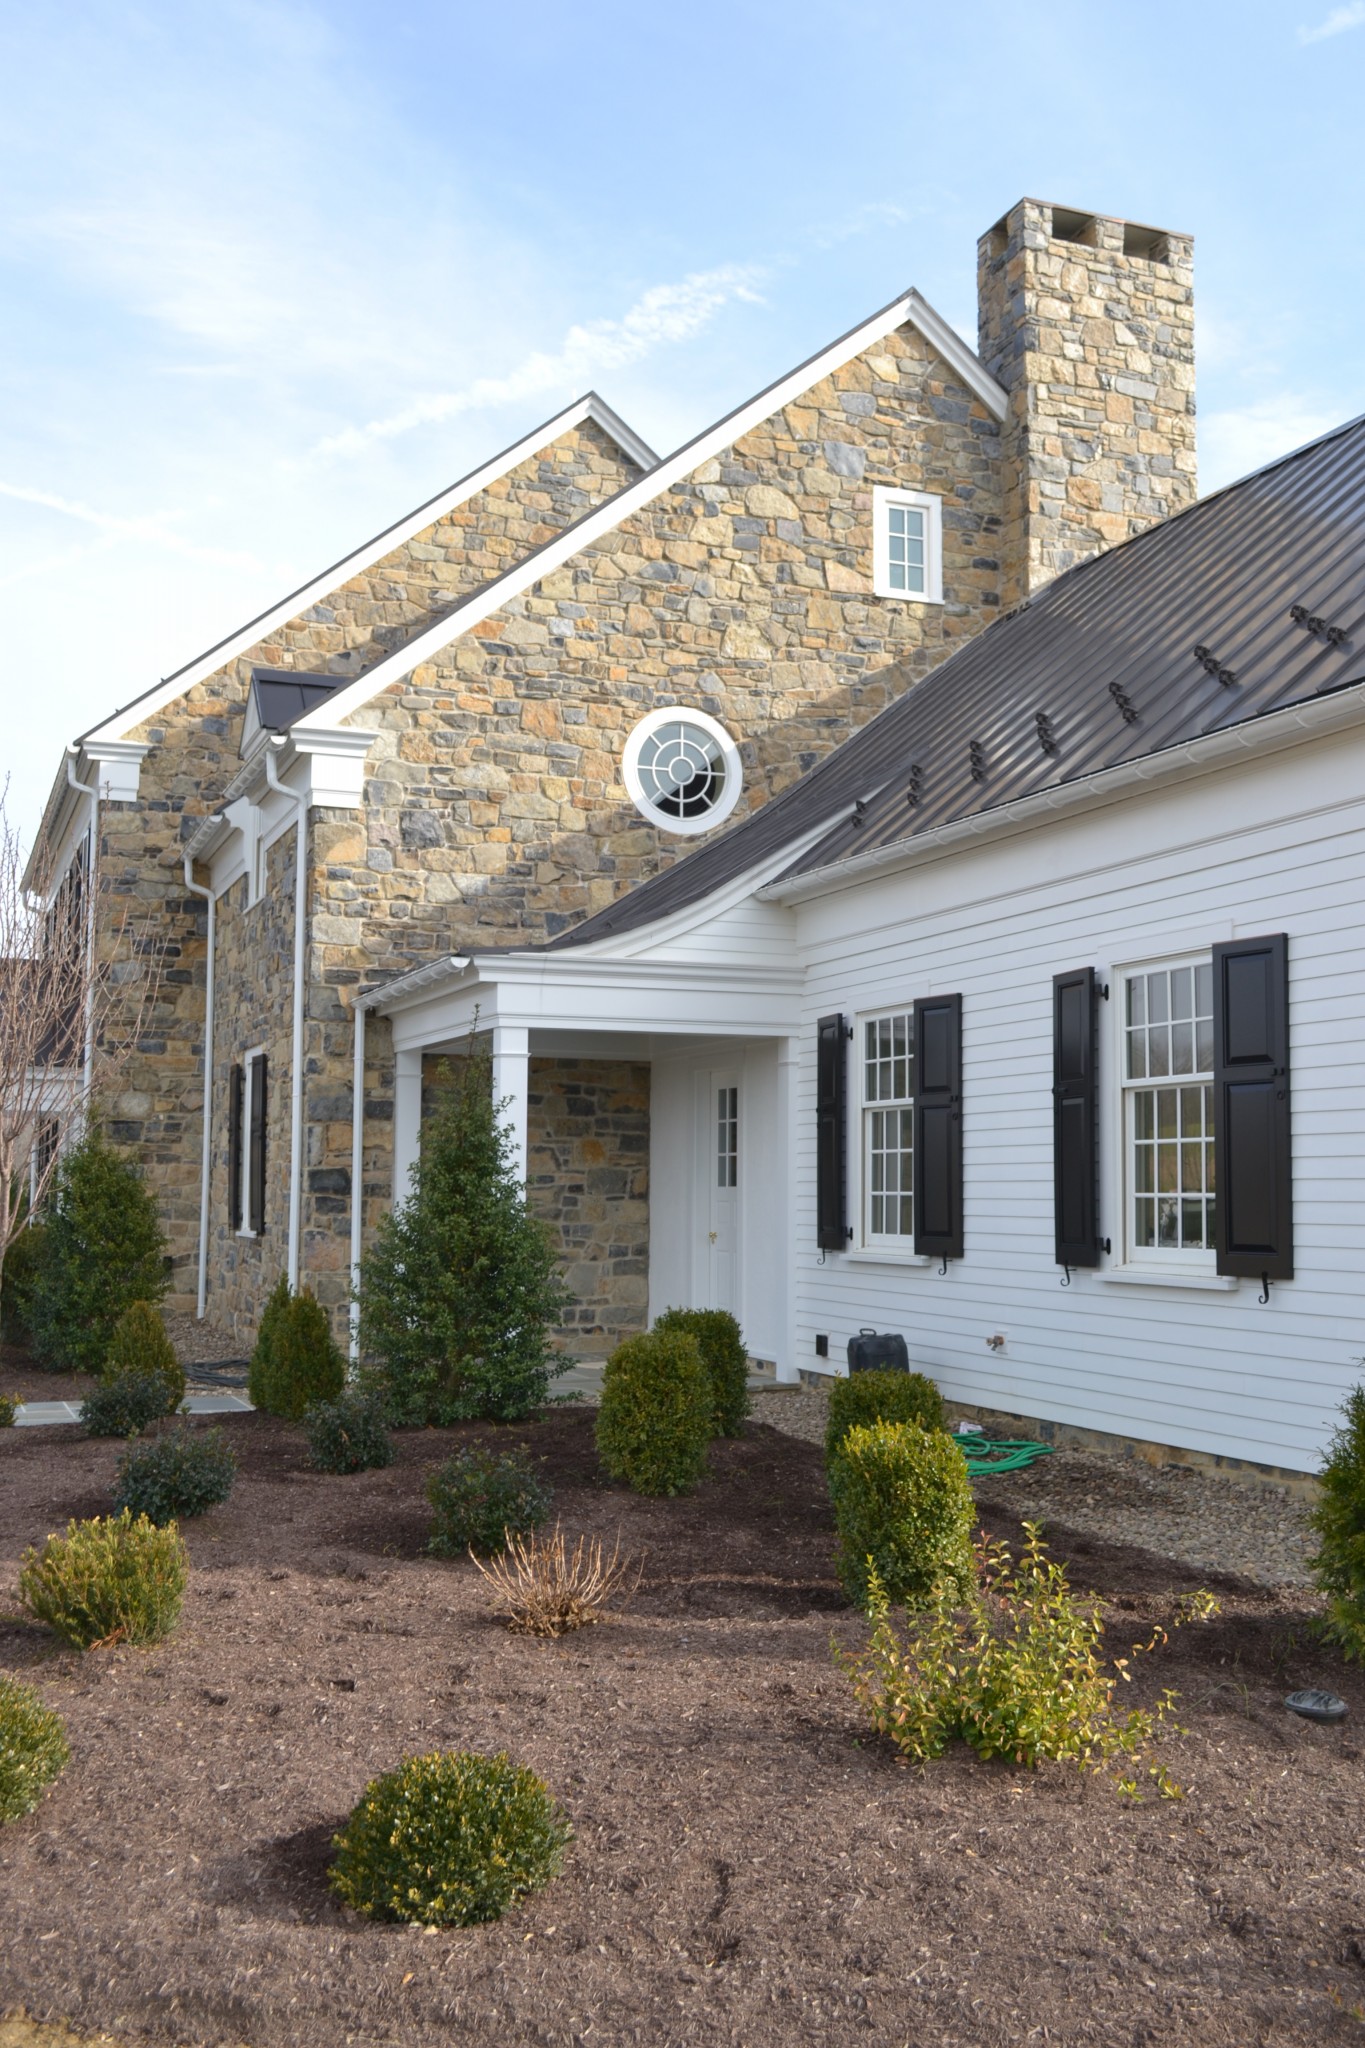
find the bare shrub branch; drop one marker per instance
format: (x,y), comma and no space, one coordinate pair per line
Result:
(545,1589)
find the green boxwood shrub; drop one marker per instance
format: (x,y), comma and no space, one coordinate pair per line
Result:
(880,1397)
(460,1289)
(33,1749)
(903,1501)
(102,1250)
(140,1344)
(126,1406)
(23,1261)
(479,1497)
(450,1840)
(297,1361)
(654,1423)
(721,1343)
(348,1434)
(1338,1520)
(113,1579)
(178,1475)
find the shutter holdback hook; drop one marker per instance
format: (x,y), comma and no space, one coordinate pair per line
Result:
(1264,1295)
(1067,1281)
(944,1267)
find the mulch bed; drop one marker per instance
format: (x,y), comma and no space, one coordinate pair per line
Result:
(750,1867)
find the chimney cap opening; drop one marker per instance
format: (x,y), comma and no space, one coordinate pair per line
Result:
(1151,244)
(1070,226)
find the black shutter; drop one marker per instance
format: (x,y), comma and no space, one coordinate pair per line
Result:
(831,1140)
(1074,1161)
(938,1126)
(1254,1227)
(235,1079)
(256,1161)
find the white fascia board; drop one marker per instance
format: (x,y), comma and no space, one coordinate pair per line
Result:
(604,519)
(115,768)
(589,407)
(1272,733)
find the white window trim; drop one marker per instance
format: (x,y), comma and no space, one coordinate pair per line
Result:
(883,498)
(1141,1265)
(683,828)
(244,1189)
(865,1249)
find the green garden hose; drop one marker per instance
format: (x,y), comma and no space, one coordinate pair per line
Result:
(999,1454)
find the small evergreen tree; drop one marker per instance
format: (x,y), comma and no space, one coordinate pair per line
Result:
(297,1360)
(102,1250)
(1339,1522)
(263,1352)
(460,1289)
(140,1345)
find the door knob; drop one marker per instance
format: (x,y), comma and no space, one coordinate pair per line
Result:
(713,1236)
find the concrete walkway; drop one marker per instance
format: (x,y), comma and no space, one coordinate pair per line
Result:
(33,1414)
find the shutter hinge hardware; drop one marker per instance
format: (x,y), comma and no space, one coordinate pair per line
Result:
(1335,636)
(1206,658)
(848,1031)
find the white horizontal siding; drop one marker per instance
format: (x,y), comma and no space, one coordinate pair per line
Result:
(1273,846)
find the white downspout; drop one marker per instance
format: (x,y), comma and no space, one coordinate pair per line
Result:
(357,1168)
(296,1078)
(92,790)
(206,1147)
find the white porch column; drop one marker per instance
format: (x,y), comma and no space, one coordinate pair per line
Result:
(788,1082)
(407,1120)
(511,1077)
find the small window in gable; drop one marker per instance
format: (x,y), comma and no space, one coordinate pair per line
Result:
(907,545)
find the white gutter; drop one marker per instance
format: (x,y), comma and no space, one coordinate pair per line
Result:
(1269,734)
(90,789)
(296,1076)
(206,1146)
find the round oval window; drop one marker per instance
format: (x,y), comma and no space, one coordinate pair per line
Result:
(682,770)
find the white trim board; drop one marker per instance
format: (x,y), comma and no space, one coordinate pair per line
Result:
(589,407)
(910,309)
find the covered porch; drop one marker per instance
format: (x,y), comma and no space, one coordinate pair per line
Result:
(650,1108)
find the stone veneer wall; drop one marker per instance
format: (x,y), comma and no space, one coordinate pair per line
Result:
(588,1175)
(1096,349)
(254,1010)
(194,755)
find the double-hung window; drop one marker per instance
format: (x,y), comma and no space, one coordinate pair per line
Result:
(1169,1193)
(907,554)
(886,1068)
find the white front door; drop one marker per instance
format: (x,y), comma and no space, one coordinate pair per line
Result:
(722,1165)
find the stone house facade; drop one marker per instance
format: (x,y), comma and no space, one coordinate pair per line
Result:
(459,762)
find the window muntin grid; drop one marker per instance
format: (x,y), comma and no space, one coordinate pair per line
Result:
(681,768)
(888,1127)
(1168,1041)
(727,1137)
(905,546)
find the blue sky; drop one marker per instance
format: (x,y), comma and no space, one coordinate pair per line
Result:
(275,274)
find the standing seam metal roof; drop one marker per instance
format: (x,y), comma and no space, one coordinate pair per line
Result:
(1251,600)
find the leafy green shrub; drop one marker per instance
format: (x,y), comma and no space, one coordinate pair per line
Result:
(140,1344)
(9,1408)
(459,1290)
(33,1749)
(480,1497)
(880,1397)
(1338,1520)
(450,1840)
(721,1343)
(296,1360)
(1011,1666)
(654,1422)
(348,1434)
(102,1250)
(178,1475)
(903,1506)
(23,1262)
(109,1580)
(126,1406)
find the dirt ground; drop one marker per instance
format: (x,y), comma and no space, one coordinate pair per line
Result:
(750,1867)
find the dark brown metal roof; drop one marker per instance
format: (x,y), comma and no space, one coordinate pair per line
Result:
(1250,601)
(284,694)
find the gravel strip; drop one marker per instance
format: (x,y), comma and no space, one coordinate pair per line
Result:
(1202,1519)
(199,1343)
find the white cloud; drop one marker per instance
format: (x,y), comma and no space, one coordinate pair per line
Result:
(1337,23)
(115,527)
(664,314)
(1234,442)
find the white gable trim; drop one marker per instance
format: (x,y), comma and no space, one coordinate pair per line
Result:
(910,310)
(589,407)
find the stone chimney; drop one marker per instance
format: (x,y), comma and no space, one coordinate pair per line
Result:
(1089,325)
